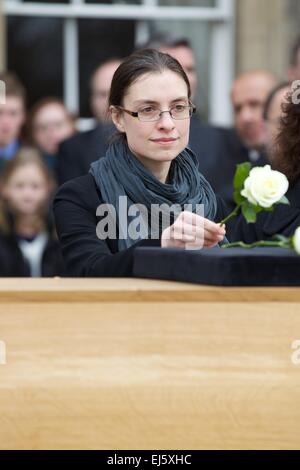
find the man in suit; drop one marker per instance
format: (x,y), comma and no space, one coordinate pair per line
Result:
(12,115)
(77,153)
(248,95)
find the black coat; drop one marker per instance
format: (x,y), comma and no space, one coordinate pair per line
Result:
(217,153)
(84,253)
(13,264)
(78,152)
(283,220)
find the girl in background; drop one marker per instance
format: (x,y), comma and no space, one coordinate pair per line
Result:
(28,245)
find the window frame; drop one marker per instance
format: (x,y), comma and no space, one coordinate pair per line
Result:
(221,17)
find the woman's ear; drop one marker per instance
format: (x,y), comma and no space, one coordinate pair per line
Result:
(117,118)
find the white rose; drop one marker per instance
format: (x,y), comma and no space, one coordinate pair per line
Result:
(296,240)
(264,186)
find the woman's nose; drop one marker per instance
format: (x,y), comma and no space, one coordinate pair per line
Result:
(166,120)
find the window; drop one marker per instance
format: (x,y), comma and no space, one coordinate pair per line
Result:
(100,40)
(35,53)
(71,37)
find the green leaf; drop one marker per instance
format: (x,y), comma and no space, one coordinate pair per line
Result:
(238,198)
(256,208)
(249,212)
(259,208)
(283,200)
(241,173)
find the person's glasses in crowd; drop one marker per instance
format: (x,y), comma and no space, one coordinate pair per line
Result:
(153,113)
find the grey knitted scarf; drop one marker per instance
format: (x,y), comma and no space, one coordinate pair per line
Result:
(120,173)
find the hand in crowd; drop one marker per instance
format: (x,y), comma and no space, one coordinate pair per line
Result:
(192,231)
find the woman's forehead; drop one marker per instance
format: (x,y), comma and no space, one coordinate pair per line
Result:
(166,85)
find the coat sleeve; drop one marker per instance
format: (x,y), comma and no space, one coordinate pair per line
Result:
(84,253)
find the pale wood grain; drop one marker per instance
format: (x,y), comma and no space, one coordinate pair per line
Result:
(134,290)
(148,374)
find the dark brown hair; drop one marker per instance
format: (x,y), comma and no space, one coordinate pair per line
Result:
(287,149)
(140,63)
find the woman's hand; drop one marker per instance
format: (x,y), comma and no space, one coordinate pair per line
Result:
(191,231)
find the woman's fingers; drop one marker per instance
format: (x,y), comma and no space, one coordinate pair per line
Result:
(197,227)
(181,229)
(198,221)
(193,231)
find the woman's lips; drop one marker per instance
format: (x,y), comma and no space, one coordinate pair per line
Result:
(165,140)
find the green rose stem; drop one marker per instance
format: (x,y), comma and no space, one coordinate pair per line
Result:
(282,244)
(231,215)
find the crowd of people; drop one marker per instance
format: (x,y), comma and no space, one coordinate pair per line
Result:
(148,144)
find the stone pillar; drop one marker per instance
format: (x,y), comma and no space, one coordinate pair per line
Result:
(263,35)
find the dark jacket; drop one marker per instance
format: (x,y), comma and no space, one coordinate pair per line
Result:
(218,153)
(13,264)
(78,152)
(12,261)
(283,220)
(84,253)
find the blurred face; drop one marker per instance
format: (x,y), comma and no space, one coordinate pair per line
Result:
(186,58)
(249,94)
(275,113)
(12,116)
(101,83)
(156,143)
(51,126)
(26,190)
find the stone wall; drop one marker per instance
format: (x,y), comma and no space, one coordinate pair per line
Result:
(265,30)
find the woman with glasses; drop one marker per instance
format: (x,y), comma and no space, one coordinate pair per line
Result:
(147,190)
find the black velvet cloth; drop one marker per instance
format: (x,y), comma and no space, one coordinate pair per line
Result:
(263,266)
